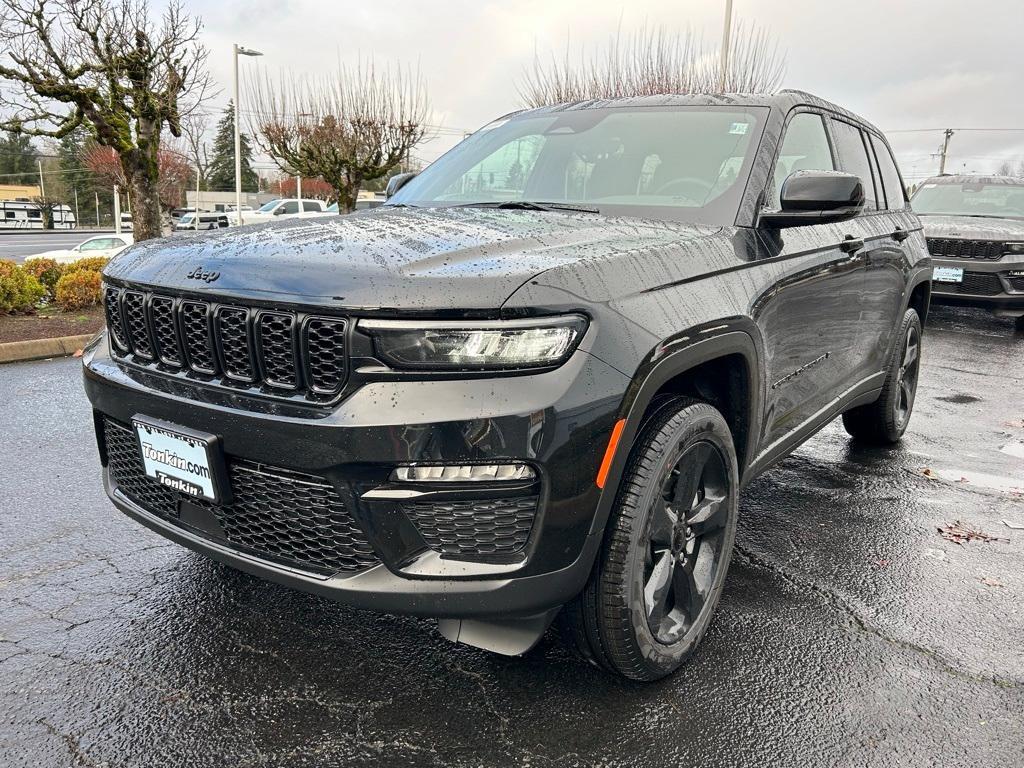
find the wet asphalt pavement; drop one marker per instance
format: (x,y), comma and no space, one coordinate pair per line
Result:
(850,633)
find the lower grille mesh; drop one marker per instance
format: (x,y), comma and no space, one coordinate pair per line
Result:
(974,283)
(478,527)
(295,519)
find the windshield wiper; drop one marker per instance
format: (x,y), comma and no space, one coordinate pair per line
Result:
(530,205)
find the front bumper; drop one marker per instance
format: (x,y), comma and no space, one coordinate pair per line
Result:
(996,285)
(558,422)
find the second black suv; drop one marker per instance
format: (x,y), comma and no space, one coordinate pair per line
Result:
(974,226)
(535,381)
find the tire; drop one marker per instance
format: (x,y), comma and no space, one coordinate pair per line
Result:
(884,421)
(655,585)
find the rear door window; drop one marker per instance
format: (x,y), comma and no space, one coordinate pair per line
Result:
(804,148)
(853,158)
(309,205)
(895,197)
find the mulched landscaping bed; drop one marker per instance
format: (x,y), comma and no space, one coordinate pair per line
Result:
(50,324)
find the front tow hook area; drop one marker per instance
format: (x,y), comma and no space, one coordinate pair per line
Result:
(509,637)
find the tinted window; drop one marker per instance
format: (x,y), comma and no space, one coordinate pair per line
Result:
(686,163)
(309,205)
(805,148)
(292,206)
(891,181)
(853,158)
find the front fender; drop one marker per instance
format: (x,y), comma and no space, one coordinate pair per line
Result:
(671,358)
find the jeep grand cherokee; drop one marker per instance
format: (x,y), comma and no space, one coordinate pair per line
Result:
(535,381)
(974,226)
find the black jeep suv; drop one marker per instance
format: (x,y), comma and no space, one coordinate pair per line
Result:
(975,231)
(535,380)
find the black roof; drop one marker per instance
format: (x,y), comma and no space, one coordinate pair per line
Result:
(782,100)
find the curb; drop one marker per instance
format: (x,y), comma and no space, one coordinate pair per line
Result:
(38,349)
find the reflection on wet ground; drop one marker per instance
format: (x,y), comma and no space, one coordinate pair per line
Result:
(851,632)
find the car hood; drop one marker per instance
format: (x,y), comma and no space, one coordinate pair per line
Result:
(973,227)
(391,258)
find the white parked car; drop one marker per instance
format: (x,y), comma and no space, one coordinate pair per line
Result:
(278,208)
(106,246)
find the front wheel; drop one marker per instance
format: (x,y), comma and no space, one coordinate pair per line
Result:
(653,591)
(884,421)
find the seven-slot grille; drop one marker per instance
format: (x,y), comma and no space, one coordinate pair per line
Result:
(285,354)
(957,248)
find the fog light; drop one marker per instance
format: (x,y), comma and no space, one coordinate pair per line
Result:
(462,473)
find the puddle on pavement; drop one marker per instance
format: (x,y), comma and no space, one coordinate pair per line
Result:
(1014,449)
(981,480)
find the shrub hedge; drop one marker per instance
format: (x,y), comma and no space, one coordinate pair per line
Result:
(19,290)
(78,288)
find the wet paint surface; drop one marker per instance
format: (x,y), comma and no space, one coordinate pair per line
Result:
(850,632)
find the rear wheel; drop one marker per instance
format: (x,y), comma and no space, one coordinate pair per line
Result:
(884,421)
(653,591)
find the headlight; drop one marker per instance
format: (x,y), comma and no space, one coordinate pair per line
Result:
(1015,248)
(476,345)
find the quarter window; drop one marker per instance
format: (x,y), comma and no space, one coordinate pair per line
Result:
(805,148)
(311,206)
(894,195)
(853,158)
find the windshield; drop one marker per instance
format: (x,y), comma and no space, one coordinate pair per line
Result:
(268,207)
(686,163)
(1004,201)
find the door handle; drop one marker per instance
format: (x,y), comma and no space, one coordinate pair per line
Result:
(900,235)
(851,244)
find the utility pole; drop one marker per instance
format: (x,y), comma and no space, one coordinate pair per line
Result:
(78,218)
(944,150)
(117,210)
(97,208)
(726,43)
(42,186)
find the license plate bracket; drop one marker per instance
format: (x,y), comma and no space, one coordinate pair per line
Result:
(182,459)
(948,275)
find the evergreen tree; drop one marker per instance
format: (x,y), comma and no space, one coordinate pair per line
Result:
(221,173)
(70,152)
(18,160)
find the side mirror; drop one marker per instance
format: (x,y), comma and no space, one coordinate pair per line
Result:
(816,197)
(279,210)
(396,182)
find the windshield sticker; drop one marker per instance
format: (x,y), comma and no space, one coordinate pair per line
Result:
(738,128)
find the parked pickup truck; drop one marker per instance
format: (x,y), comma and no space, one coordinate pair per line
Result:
(278,209)
(532,384)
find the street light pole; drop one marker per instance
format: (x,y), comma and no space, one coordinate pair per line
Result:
(298,151)
(726,43)
(239,51)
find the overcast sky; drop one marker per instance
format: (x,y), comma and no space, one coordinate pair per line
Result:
(902,65)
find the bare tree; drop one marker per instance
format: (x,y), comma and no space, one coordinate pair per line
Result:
(346,128)
(193,129)
(108,65)
(653,61)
